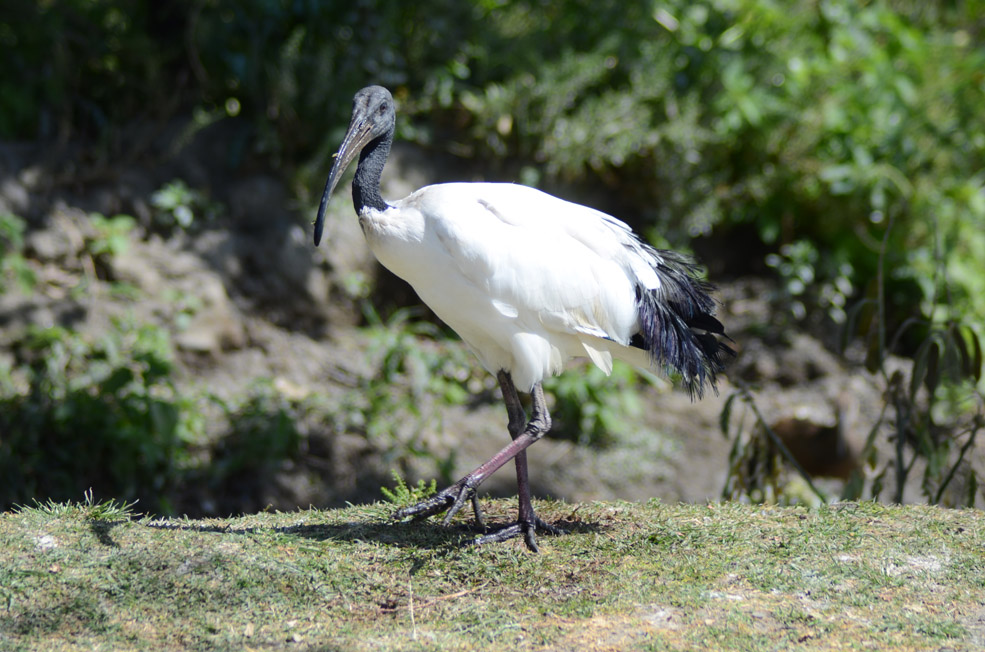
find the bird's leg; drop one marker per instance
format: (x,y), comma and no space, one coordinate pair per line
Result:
(527,521)
(452,499)
(517,421)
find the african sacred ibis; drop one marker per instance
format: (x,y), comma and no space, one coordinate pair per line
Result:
(528,281)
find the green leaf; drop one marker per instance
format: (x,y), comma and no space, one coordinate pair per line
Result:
(725,416)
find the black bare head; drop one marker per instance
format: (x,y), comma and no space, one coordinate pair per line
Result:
(370,132)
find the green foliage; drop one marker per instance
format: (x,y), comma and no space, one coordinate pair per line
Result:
(399,408)
(936,414)
(757,457)
(263,434)
(178,206)
(931,416)
(809,280)
(932,419)
(106,414)
(13,265)
(403,495)
(812,123)
(593,409)
(86,64)
(286,66)
(184,305)
(102,414)
(108,510)
(112,235)
(809,123)
(401,346)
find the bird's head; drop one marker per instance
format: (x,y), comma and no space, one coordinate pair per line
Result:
(373,116)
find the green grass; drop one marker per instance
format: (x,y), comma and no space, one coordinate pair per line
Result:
(639,576)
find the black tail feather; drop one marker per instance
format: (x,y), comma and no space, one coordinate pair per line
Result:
(678,325)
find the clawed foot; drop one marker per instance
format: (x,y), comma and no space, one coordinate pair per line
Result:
(521,528)
(451,500)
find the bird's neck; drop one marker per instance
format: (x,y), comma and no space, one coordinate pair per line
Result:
(366,184)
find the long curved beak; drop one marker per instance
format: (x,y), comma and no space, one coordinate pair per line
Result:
(360,132)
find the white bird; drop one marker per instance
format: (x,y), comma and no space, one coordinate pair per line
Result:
(528,281)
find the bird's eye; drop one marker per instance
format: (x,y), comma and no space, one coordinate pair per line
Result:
(383,108)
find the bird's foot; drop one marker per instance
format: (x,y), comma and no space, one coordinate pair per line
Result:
(526,529)
(449,500)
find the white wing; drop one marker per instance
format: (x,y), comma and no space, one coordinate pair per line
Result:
(526,279)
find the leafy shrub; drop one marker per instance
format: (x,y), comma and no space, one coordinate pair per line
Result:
(178,206)
(106,416)
(932,416)
(592,409)
(98,414)
(86,65)
(814,123)
(13,266)
(808,123)
(112,235)
(399,407)
(262,434)
(404,495)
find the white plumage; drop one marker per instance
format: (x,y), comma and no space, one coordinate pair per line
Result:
(528,281)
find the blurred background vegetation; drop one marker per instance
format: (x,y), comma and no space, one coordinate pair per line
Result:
(836,145)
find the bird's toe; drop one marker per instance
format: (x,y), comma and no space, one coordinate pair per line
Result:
(449,500)
(547,527)
(428,507)
(526,529)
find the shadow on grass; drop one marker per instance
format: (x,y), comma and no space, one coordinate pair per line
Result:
(101,530)
(423,534)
